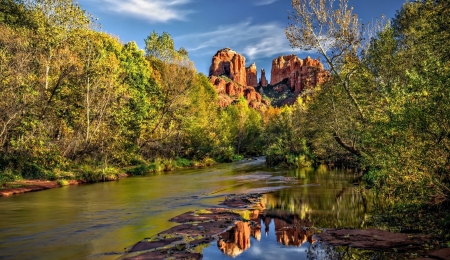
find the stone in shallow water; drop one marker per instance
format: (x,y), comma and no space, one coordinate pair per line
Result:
(164,254)
(208,215)
(373,239)
(244,201)
(147,245)
(443,253)
(201,229)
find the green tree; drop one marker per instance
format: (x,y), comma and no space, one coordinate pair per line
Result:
(175,74)
(14,13)
(410,141)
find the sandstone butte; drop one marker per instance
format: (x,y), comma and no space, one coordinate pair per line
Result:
(263,81)
(231,64)
(232,79)
(300,74)
(252,75)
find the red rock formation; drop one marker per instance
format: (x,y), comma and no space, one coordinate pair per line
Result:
(252,75)
(234,91)
(229,63)
(263,81)
(300,74)
(232,80)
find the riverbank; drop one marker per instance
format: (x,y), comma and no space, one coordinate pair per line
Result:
(94,176)
(24,186)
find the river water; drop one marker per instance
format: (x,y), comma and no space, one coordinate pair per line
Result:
(102,220)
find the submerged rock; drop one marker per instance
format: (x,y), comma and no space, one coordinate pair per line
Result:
(373,239)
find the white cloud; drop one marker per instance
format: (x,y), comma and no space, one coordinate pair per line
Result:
(151,10)
(254,41)
(265,2)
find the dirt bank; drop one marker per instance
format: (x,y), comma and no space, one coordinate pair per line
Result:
(19,187)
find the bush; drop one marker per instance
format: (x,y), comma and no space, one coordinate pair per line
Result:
(208,161)
(8,175)
(31,170)
(183,162)
(225,154)
(139,170)
(63,183)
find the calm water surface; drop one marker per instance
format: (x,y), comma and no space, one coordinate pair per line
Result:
(99,221)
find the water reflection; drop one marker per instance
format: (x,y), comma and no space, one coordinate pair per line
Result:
(236,240)
(289,230)
(328,198)
(285,230)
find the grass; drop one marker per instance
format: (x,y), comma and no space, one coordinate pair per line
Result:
(63,183)
(97,172)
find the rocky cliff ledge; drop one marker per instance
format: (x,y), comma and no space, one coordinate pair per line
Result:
(252,75)
(232,79)
(300,74)
(290,76)
(263,81)
(230,64)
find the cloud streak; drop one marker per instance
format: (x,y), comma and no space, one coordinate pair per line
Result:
(254,41)
(158,11)
(264,2)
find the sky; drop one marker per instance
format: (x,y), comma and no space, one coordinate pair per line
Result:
(253,28)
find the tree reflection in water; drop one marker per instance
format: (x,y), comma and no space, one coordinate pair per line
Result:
(284,230)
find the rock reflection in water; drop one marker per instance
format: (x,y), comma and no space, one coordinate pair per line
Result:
(292,235)
(236,240)
(289,231)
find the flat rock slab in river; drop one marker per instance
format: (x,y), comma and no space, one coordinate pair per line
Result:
(441,254)
(373,239)
(202,229)
(244,201)
(147,245)
(207,215)
(166,254)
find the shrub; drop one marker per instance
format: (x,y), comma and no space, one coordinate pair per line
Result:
(183,162)
(208,161)
(139,170)
(63,183)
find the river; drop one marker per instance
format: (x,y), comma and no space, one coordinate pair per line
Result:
(99,221)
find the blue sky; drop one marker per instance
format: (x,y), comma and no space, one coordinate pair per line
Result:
(254,28)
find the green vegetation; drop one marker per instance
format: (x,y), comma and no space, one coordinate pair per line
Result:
(76,100)
(386,109)
(78,104)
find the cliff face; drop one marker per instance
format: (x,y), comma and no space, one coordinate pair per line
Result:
(300,74)
(263,81)
(232,79)
(252,75)
(229,91)
(290,76)
(229,63)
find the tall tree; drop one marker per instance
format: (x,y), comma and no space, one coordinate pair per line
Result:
(336,34)
(175,74)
